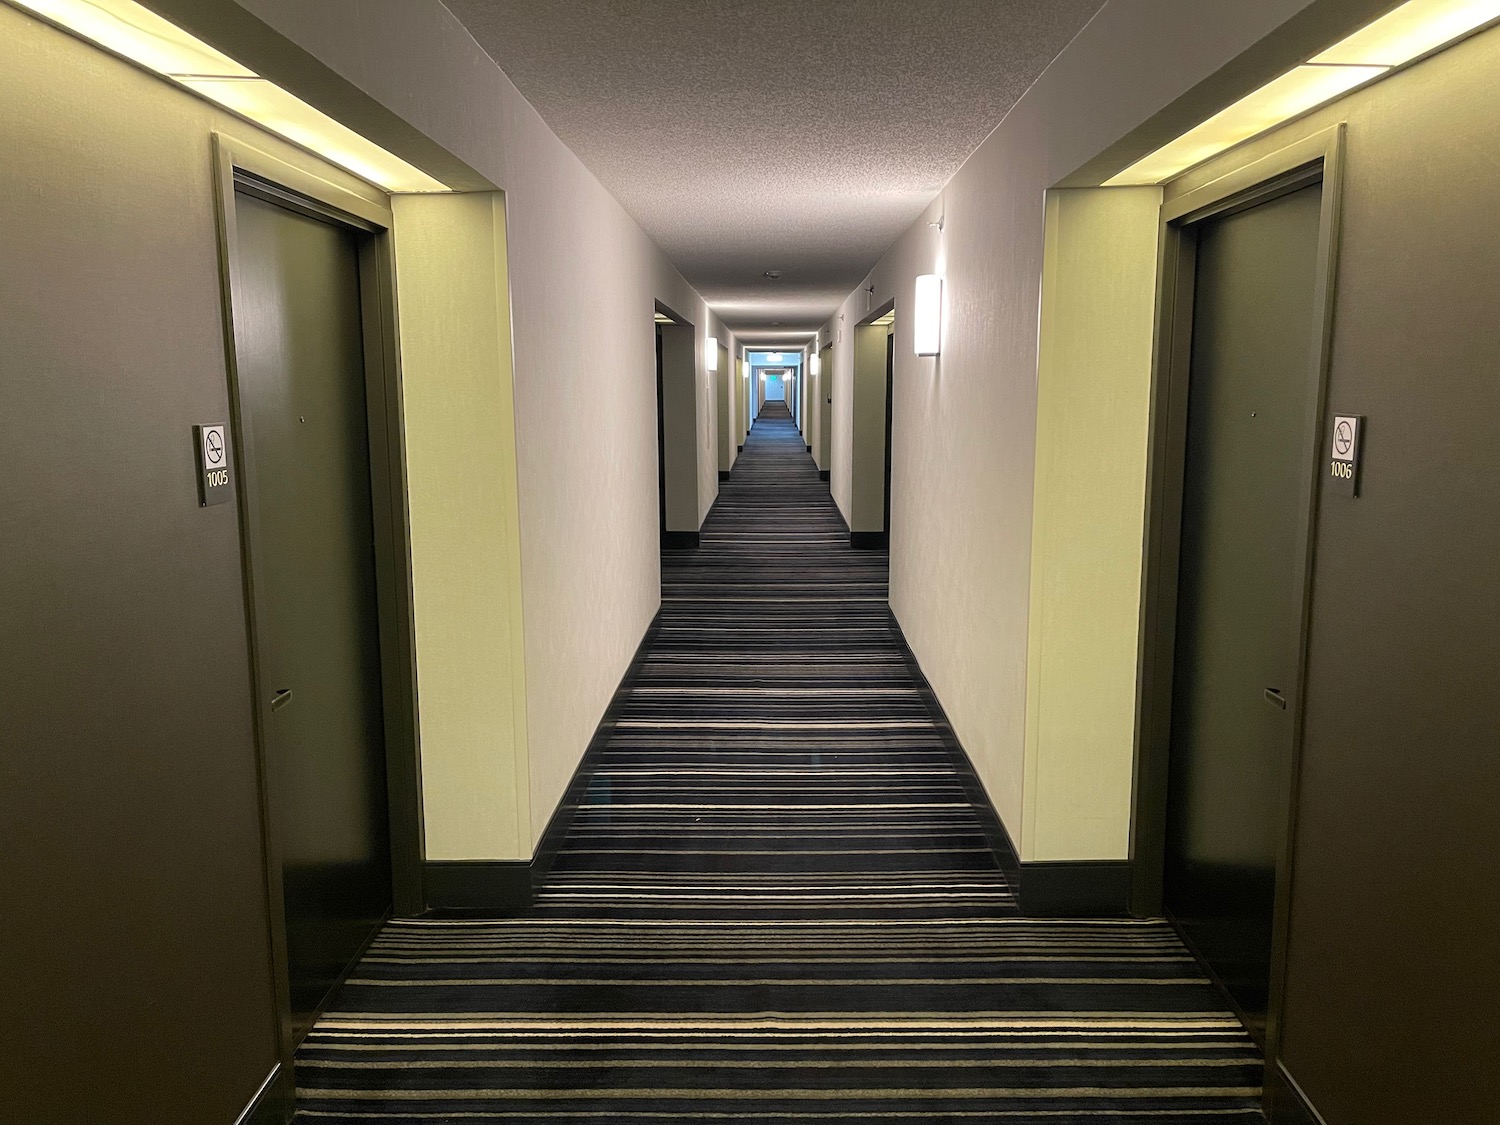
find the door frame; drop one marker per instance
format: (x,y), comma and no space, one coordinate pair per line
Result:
(1317,159)
(303,191)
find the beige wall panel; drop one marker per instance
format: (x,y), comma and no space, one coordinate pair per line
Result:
(465,524)
(1094,381)
(867,470)
(723,383)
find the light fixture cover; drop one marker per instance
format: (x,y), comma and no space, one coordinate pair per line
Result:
(1409,32)
(1291,95)
(815,364)
(711,353)
(927,315)
(1415,28)
(134,32)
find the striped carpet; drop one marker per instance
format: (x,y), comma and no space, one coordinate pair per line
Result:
(776,904)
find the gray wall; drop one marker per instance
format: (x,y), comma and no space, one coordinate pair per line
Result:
(135,942)
(1392,983)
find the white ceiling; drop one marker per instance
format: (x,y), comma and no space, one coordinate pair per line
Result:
(754,135)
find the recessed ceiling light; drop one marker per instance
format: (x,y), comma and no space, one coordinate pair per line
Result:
(1415,29)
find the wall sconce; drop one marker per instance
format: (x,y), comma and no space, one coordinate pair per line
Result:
(927,318)
(711,353)
(815,364)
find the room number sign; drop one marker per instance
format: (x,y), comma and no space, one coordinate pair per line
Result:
(1343,454)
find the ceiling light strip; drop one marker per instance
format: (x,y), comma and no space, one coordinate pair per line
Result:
(1408,33)
(139,35)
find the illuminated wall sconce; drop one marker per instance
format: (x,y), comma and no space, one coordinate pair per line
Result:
(927,315)
(711,353)
(160,46)
(815,364)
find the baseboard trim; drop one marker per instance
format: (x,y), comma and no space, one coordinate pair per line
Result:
(1285,1103)
(561,820)
(498,888)
(677,540)
(1001,845)
(868,540)
(275,1101)
(1075,889)
(1099,889)
(492,886)
(825,474)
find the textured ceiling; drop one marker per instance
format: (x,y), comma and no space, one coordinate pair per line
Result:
(755,135)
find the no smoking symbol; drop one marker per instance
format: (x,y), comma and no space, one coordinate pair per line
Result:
(213,447)
(1343,437)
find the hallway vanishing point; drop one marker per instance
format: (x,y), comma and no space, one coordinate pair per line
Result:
(776,902)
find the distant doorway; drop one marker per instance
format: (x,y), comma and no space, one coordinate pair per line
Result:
(677,407)
(870,485)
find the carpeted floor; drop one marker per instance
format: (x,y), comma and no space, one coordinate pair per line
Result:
(777,905)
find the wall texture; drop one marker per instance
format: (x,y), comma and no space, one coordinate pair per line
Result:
(465,536)
(1392,985)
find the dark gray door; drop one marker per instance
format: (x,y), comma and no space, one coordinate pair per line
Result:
(890,398)
(1251,387)
(299,336)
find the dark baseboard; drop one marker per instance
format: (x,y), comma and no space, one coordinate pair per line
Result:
(996,836)
(498,888)
(1285,1103)
(674,540)
(723,474)
(1044,890)
(825,474)
(742,449)
(1089,889)
(562,816)
(275,1101)
(476,886)
(868,540)
(809,449)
